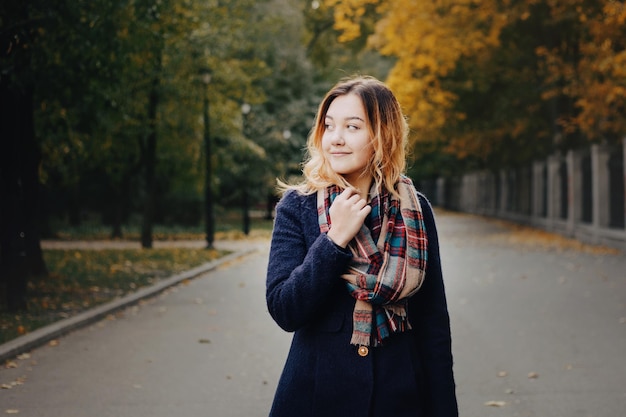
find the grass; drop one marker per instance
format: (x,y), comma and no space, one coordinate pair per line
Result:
(227,226)
(81,279)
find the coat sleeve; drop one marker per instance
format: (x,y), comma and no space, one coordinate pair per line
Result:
(304,265)
(431,322)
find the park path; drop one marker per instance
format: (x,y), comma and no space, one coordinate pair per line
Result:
(538,322)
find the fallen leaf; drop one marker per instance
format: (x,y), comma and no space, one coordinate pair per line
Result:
(495,403)
(10,365)
(21,330)
(204,341)
(533,375)
(19,381)
(6,386)
(502,374)
(53,343)
(12,411)
(510,391)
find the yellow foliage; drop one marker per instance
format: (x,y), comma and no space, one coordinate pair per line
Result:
(348,15)
(599,82)
(430,38)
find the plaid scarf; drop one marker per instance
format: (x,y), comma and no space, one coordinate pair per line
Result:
(388,261)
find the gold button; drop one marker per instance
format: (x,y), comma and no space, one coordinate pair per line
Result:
(363,351)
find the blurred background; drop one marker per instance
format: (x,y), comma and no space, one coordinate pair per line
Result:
(160,119)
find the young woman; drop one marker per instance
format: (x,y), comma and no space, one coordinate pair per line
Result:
(354,271)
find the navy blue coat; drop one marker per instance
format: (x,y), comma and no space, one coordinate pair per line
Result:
(324,376)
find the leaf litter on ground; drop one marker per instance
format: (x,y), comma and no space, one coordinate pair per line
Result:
(80,279)
(536,238)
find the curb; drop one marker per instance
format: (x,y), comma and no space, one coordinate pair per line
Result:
(52,331)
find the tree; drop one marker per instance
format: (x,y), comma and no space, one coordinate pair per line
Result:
(428,39)
(20,250)
(499,83)
(587,68)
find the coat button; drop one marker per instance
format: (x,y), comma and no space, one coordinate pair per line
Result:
(363,351)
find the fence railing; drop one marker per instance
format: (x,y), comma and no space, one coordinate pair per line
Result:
(579,194)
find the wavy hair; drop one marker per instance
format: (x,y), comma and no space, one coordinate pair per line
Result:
(388,130)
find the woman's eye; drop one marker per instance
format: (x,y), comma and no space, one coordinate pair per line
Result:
(327,127)
(353,127)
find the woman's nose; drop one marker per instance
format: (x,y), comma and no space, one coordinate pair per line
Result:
(337,138)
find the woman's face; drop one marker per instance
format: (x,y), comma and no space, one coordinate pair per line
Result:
(346,142)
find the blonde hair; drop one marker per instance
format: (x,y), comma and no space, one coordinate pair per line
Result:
(387,127)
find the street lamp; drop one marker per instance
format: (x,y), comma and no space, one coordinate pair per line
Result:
(208,195)
(245,110)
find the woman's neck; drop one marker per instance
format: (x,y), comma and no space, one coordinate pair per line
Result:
(362,185)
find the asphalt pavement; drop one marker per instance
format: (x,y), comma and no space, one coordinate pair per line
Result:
(538,324)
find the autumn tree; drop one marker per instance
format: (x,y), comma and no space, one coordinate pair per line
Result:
(499,83)
(588,68)
(428,39)
(440,50)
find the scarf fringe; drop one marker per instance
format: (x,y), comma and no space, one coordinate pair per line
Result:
(359,339)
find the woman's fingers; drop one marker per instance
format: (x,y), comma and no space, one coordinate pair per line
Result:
(347,214)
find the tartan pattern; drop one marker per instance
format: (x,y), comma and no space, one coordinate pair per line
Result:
(388,263)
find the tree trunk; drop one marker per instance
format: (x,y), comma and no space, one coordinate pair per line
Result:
(246,211)
(270,203)
(116,227)
(73,207)
(20,248)
(150,157)
(120,206)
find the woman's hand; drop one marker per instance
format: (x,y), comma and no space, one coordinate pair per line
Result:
(347,214)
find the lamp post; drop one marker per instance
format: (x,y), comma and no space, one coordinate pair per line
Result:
(208,195)
(245,110)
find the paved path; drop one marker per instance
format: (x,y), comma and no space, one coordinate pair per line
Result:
(539,330)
